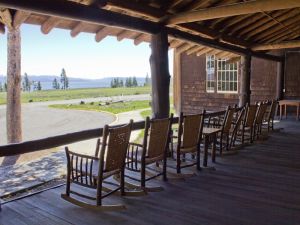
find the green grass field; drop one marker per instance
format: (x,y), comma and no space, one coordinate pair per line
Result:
(53,95)
(114,108)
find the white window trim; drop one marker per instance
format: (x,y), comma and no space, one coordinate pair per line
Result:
(237,81)
(214,72)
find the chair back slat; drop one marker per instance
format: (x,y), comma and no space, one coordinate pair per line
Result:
(192,126)
(117,144)
(159,131)
(250,115)
(228,119)
(260,113)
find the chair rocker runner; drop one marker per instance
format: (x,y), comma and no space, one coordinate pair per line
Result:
(92,171)
(188,140)
(152,152)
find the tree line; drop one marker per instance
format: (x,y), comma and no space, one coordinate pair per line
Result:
(129,82)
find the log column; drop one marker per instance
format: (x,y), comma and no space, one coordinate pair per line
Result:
(13,108)
(280,80)
(160,75)
(245,91)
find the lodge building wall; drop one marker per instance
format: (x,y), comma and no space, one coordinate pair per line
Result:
(190,84)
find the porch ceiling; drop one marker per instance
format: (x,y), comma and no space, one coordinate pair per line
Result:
(254,28)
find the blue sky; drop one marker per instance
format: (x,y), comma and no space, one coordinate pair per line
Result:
(81,56)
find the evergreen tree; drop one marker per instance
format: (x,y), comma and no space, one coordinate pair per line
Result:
(134,82)
(27,83)
(1,87)
(121,83)
(147,80)
(129,82)
(64,81)
(55,84)
(5,87)
(39,86)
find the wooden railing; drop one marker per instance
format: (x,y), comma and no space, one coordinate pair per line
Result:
(60,140)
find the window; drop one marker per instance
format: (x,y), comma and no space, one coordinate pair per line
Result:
(227,76)
(210,73)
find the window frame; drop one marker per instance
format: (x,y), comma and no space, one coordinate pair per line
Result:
(226,70)
(210,70)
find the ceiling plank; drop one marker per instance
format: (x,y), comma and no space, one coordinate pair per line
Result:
(232,10)
(79,12)
(194,50)
(283,45)
(49,24)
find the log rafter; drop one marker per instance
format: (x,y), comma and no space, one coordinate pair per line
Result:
(20,17)
(49,24)
(100,17)
(77,29)
(283,45)
(232,10)
(140,38)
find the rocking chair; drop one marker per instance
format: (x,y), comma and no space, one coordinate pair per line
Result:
(188,140)
(152,151)
(92,171)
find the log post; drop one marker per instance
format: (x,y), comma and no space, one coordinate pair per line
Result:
(160,76)
(280,81)
(245,91)
(13,108)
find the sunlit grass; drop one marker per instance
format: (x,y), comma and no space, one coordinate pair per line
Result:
(115,108)
(53,95)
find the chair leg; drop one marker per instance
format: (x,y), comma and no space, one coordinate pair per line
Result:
(143,176)
(198,159)
(122,182)
(178,162)
(165,169)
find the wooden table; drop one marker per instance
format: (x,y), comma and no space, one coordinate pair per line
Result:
(285,103)
(210,136)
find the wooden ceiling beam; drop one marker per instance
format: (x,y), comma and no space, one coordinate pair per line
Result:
(126,34)
(158,14)
(184,47)
(219,45)
(194,49)
(20,17)
(49,24)
(74,11)
(289,23)
(140,38)
(283,45)
(231,10)
(272,23)
(175,43)
(77,29)
(203,51)
(2,28)
(6,18)
(103,32)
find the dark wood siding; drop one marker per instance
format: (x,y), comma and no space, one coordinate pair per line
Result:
(263,79)
(292,75)
(194,97)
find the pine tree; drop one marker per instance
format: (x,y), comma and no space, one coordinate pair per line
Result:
(27,83)
(129,82)
(39,86)
(147,80)
(134,82)
(64,81)
(55,84)
(5,87)
(121,83)
(1,87)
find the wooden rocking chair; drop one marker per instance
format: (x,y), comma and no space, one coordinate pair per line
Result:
(223,140)
(269,116)
(189,139)
(92,171)
(262,108)
(152,151)
(248,124)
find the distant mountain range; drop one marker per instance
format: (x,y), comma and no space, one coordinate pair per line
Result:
(46,81)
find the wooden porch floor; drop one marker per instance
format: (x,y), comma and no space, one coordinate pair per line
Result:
(260,185)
